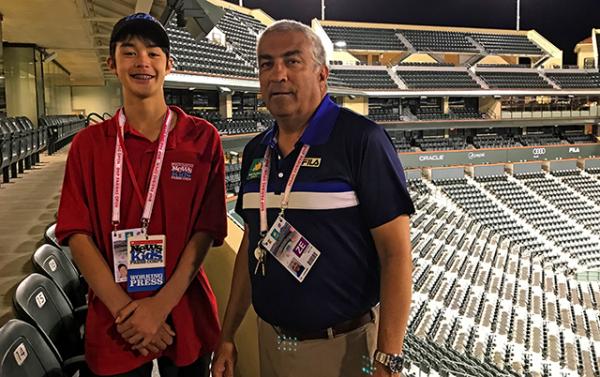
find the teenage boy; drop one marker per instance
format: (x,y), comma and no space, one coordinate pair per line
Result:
(145,187)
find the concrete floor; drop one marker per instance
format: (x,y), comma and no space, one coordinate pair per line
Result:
(27,205)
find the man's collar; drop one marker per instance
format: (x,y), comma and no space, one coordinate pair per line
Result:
(319,126)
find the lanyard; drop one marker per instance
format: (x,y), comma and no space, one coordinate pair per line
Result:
(264,179)
(120,151)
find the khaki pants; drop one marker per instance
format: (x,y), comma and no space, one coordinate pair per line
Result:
(345,355)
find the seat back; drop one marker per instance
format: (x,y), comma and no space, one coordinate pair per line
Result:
(18,137)
(26,140)
(13,140)
(50,238)
(52,262)
(24,352)
(33,132)
(40,302)
(50,235)
(5,140)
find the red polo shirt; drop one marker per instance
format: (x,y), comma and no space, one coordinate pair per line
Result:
(183,206)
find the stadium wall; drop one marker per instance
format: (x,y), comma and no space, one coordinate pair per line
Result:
(495,156)
(218,266)
(98,99)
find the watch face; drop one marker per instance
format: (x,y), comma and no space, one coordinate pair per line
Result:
(395,364)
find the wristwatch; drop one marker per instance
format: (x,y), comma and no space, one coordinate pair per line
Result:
(393,362)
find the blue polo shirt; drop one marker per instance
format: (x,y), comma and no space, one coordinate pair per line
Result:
(351,181)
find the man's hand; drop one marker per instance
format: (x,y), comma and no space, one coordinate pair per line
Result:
(140,321)
(224,360)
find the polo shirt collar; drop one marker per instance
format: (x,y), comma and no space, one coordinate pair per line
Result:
(319,127)
(174,134)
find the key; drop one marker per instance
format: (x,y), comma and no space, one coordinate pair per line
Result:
(257,267)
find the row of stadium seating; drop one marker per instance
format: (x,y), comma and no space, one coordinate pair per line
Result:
(232,177)
(205,57)
(431,41)
(575,80)
(20,146)
(365,78)
(241,31)
(510,80)
(493,290)
(21,142)
(437,79)
(409,141)
(50,305)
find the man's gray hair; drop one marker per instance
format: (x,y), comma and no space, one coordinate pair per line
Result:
(295,26)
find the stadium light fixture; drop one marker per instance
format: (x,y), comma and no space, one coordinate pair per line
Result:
(340,44)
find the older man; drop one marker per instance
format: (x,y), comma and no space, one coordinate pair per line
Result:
(325,258)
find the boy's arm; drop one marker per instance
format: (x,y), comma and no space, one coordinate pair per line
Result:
(97,273)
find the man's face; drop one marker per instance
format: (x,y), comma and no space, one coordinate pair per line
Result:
(141,67)
(291,82)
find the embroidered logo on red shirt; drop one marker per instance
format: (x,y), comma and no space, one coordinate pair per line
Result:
(181,171)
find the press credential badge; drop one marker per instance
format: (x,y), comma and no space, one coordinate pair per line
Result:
(146,262)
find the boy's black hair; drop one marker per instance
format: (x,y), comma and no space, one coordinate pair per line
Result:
(140,25)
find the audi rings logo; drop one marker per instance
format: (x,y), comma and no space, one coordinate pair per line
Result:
(539,151)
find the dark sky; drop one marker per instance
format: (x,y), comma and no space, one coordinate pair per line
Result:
(562,22)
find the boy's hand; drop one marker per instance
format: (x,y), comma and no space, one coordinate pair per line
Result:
(140,321)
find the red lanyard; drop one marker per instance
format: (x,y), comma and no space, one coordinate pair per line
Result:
(121,152)
(264,180)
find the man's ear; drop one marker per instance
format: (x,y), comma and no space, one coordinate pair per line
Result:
(323,75)
(110,62)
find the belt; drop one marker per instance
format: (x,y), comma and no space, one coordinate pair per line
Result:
(331,332)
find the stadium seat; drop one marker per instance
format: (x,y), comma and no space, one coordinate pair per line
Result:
(15,145)
(52,262)
(40,302)
(25,353)
(50,238)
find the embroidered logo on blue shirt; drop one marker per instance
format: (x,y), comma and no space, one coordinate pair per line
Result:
(181,171)
(255,169)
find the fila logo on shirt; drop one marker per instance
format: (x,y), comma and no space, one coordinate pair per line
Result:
(181,171)
(311,162)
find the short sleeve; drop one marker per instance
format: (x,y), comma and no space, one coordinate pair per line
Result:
(246,162)
(379,180)
(212,217)
(73,210)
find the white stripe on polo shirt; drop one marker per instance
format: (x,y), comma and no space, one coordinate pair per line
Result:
(305,200)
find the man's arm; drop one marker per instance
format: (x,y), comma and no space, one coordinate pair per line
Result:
(240,298)
(392,241)
(140,320)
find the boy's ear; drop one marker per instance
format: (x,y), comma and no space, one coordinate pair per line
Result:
(170,64)
(111,64)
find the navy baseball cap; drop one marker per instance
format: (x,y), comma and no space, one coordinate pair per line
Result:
(141,24)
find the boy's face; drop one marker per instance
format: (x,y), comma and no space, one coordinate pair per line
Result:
(141,67)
